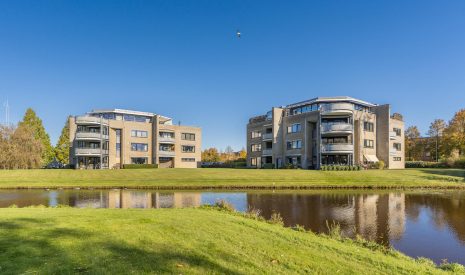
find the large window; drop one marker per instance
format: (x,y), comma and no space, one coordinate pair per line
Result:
(139,160)
(256,147)
(368,126)
(397,146)
(254,162)
(141,147)
(188,149)
(304,109)
(294,144)
(294,128)
(256,134)
(187,136)
(118,142)
(397,131)
(188,159)
(139,133)
(368,143)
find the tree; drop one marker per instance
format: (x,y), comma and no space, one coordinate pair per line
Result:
(20,150)
(210,155)
(455,132)
(34,123)
(243,154)
(435,131)
(412,135)
(61,150)
(228,153)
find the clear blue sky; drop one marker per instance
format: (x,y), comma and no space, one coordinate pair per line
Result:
(182,59)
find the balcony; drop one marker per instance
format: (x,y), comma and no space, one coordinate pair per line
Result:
(90,120)
(267,152)
(336,128)
(393,152)
(267,136)
(342,108)
(166,139)
(166,153)
(337,148)
(392,135)
(89,151)
(90,136)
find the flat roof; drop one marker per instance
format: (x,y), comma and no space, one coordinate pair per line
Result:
(331,99)
(126,112)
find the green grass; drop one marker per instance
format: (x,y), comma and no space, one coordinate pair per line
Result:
(232,178)
(177,241)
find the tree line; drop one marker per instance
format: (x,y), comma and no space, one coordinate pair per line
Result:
(444,140)
(228,155)
(27,145)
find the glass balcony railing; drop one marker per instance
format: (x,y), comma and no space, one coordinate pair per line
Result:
(337,148)
(336,128)
(337,108)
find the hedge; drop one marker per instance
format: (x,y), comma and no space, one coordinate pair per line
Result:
(140,166)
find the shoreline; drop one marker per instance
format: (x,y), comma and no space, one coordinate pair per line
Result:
(231,187)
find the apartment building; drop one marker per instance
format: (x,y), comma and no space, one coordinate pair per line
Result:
(104,139)
(326,131)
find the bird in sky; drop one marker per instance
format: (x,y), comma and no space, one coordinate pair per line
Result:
(238,34)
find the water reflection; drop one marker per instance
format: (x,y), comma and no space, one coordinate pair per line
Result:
(430,224)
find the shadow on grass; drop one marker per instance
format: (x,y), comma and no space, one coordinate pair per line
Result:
(445,172)
(30,245)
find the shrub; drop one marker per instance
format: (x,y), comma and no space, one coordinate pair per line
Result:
(268,166)
(425,164)
(276,218)
(460,163)
(380,165)
(224,205)
(453,267)
(334,230)
(425,261)
(140,166)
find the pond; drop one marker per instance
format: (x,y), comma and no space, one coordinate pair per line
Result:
(418,223)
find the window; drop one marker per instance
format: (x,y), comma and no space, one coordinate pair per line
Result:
(295,128)
(139,160)
(253,161)
(368,126)
(294,144)
(187,136)
(139,133)
(256,134)
(397,146)
(269,115)
(398,131)
(141,147)
(188,159)
(256,147)
(295,161)
(188,149)
(368,143)
(166,135)
(397,159)
(118,142)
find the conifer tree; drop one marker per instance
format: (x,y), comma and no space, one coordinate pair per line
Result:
(62,147)
(34,123)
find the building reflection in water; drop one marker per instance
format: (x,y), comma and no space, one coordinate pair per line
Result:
(375,217)
(130,199)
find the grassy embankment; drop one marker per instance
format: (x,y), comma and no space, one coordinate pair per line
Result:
(232,178)
(178,241)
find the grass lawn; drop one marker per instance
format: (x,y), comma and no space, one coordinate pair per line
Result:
(231,178)
(177,241)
